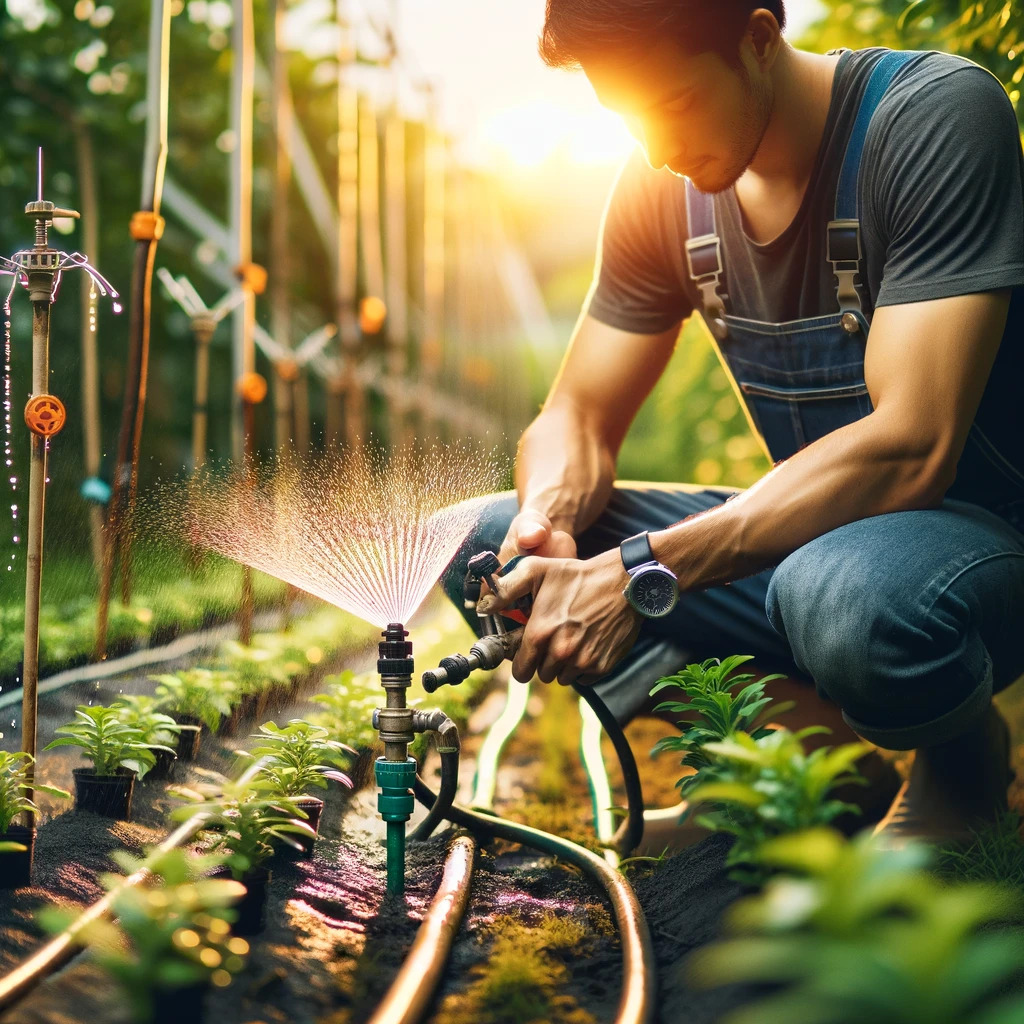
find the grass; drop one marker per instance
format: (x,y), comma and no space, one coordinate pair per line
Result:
(996,853)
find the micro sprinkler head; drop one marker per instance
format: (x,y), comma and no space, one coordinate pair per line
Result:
(395,771)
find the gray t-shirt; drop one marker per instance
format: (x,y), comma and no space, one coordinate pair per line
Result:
(941,209)
(941,203)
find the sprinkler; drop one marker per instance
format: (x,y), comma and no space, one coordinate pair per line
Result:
(395,771)
(40,270)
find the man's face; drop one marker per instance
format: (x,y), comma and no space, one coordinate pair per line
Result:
(693,114)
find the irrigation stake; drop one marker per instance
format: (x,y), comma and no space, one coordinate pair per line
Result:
(40,269)
(147,226)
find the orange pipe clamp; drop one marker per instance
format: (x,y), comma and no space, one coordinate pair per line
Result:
(45,415)
(253,277)
(252,387)
(146,226)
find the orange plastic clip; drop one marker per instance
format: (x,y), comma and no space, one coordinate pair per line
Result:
(146,226)
(45,415)
(252,387)
(253,277)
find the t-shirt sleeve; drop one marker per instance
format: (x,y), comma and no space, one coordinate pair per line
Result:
(636,287)
(947,191)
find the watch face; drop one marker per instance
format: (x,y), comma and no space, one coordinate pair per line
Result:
(653,593)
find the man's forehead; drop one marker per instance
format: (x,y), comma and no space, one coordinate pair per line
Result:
(660,73)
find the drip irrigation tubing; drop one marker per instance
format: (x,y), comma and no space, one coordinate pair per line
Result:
(409,996)
(636,1005)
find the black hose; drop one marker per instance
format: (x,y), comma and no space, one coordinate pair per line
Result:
(446,794)
(631,832)
(636,1005)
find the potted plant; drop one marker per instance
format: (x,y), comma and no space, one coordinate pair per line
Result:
(118,753)
(194,697)
(296,759)
(169,941)
(17,842)
(158,729)
(243,819)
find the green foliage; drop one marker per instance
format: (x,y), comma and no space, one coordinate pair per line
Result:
(143,712)
(989,32)
(859,933)
(293,757)
(14,783)
(995,853)
(347,704)
(107,741)
(719,711)
(165,936)
(197,692)
(768,787)
(243,817)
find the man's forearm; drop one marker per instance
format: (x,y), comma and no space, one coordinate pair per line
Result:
(564,469)
(858,471)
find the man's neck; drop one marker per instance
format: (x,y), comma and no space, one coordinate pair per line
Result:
(772,187)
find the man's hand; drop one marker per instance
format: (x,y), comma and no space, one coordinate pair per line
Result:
(580,626)
(531,533)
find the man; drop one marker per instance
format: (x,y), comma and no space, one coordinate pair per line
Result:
(851,227)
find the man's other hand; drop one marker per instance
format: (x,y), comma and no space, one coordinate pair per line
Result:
(580,625)
(531,533)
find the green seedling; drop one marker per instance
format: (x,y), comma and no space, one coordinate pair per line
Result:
(718,711)
(107,741)
(14,787)
(172,932)
(769,786)
(200,693)
(143,712)
(299,756)
(242,818)
(859,933)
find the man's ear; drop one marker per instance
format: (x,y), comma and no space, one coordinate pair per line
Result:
(763,36)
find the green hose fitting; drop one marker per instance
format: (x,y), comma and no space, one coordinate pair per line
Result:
(395,803)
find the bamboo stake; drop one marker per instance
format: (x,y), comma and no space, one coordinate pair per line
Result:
(397,267)
(434,261)
(91,428)
(147,227)
(347,384)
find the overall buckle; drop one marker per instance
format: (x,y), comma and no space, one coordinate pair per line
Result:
(704,262)
(844,253)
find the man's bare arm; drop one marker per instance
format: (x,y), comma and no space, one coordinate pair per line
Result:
(926,366)
(566,463)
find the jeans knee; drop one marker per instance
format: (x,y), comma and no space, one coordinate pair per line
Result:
(870,643)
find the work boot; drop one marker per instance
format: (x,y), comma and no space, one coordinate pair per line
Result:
(953,788)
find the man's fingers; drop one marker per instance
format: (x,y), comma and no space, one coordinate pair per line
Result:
(518,583)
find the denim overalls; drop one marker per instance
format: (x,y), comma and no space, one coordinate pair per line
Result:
(802,379)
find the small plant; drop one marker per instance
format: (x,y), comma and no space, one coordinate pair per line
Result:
(243,818)
(14,786)
(200,693)
(294,755)
(143,712)
(166,937)
(858,933)
(348,702)
(107,741)
(720,712)
(769,786)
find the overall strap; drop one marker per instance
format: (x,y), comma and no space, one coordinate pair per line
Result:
(843,242)
(704,255)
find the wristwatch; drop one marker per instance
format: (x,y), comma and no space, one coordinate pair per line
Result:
(652,589)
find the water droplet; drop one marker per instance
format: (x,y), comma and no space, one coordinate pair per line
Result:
(117,307)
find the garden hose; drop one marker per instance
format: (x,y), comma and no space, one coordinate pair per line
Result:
(448,746)
(637,1003)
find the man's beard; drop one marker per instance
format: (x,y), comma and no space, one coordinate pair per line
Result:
(752,127)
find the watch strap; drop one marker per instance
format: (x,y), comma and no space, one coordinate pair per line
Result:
(636,551)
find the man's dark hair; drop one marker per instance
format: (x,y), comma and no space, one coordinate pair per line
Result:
(579,30)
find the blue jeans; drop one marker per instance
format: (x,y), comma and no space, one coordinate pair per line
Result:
(907,620)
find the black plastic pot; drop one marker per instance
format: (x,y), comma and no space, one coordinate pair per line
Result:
(172,1006)
(109,795)
(188,739)
(16,868)
(252,907)
(165,760)
(313,806)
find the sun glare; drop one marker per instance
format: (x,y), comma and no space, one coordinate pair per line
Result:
(530,134)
